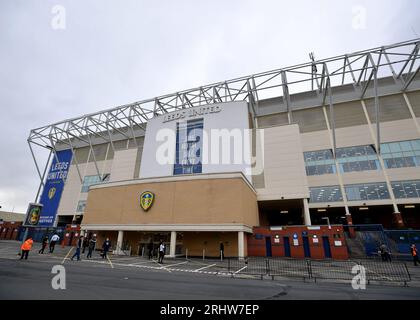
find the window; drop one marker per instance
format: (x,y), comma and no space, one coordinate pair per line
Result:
(189,143)
(401,154)
(367,191)
(325,194)
(319,162)
(406,189)
(360,158)
(81,206)
(91,180)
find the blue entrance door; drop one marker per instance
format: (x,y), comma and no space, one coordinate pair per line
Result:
(286,244)
(327,248)
(268,247)
(306,248)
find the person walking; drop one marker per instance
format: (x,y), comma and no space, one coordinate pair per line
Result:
(105,247)
(414,254)
(150,249)
(43,245)
(222,250)
(161,251)
(85,244)
(386,256)
(78,247)
(26,247)
(53,241)
(91,248)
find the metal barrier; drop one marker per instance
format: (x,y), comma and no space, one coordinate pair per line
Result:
(341,270)
(332,270)
(289,268)
(396,271)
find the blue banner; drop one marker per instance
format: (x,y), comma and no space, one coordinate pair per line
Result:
(53,188)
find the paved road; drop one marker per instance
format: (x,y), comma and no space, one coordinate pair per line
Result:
(97,279)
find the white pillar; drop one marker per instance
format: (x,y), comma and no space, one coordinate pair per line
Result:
(306,214)
(120,242)
(241,245)
(173,244)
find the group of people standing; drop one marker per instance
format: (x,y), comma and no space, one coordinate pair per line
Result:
(54,239)
(82,244)
(27,245)
(386,254)
(90,243)
(162,249)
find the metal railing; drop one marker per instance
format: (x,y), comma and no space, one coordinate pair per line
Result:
(341,270)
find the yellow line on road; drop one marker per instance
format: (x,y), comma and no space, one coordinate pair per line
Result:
(110,262)
(62,262)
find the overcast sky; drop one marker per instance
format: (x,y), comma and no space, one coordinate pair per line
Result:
(116,52)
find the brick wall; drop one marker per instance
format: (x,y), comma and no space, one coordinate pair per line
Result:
(263,237)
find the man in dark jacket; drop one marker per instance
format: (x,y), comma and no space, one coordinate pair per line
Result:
(105,247)
(44,244)
(91,248)
(85,244)
(222,250)
(150,249)
(78,246)
(414,254)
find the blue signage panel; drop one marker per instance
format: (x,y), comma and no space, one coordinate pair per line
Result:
(53,188)
(189,144)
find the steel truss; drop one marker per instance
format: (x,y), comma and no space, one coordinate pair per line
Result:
(360,69)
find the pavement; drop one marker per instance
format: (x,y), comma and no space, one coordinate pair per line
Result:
(123,277)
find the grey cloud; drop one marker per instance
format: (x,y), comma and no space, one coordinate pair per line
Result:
(116,52)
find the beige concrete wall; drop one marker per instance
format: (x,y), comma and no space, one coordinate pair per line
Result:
(323,180)
(195,242)
(398,130)
(284,167)
(72,190)
(399,174)
(123,164)
(318,140)
(363,177)
(206,201)
(353,136)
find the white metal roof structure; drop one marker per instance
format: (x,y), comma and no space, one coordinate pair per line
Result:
(360,71)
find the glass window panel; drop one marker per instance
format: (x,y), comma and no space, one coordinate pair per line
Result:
(415,144)
(370,191)
(405,145)
(394,147)
(325,194)
(385,148)
(81,206)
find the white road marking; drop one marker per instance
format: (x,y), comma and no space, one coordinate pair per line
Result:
(138,263)
(175,264)
(241,269)
(209,266)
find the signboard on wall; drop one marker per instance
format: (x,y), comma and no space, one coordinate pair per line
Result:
(33,215)
(53,188)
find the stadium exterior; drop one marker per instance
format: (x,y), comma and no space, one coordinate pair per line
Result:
(334,141)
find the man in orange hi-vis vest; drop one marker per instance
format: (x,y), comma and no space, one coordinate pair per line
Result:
(26,247)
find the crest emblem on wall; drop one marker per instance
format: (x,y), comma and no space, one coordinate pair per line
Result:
(51,192)
(146,200)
